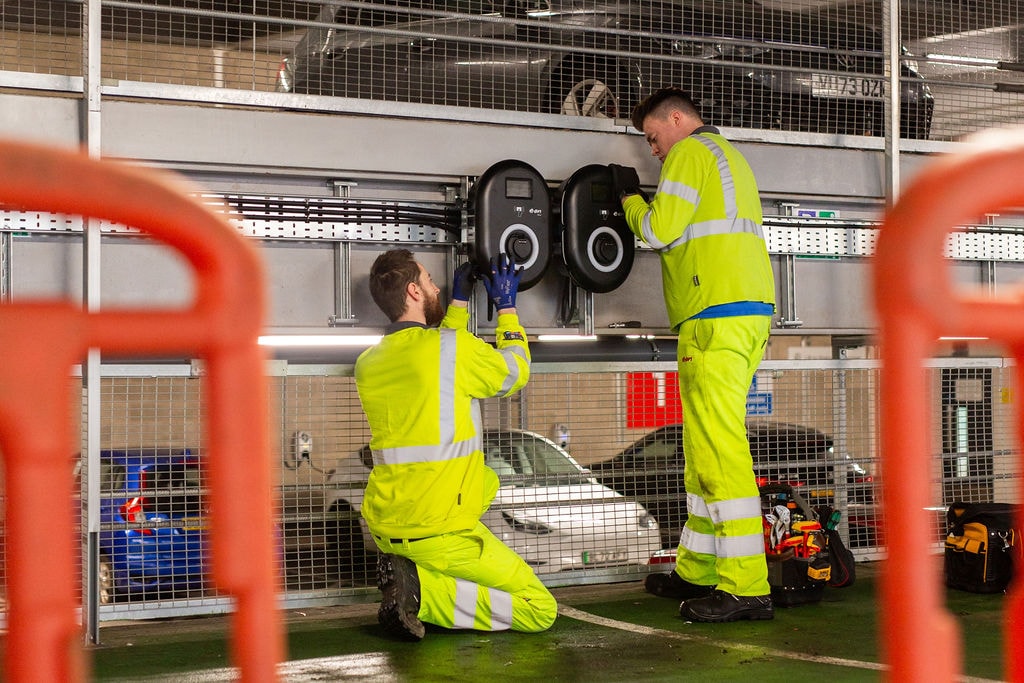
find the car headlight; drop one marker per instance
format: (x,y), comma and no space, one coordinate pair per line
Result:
(526,526)
(717,50)
(646,521)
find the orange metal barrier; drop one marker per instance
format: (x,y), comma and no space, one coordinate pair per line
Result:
(917,303)
(41,341)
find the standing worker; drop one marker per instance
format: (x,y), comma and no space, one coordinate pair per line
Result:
(429,485)
(705,222)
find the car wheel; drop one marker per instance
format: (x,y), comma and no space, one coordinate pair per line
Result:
(345,542)
(592,97)
(105,579)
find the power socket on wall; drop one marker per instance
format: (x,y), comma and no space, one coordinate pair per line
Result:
(302,449)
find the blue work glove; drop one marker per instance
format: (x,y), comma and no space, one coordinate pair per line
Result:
(502,282)
(463,281)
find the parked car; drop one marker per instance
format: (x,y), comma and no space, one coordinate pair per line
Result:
(744,64)
(548,509)
(152,539)
(651,470)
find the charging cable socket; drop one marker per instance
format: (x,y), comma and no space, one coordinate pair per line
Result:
(302,448)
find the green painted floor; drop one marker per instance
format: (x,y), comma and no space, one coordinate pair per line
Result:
(605,633)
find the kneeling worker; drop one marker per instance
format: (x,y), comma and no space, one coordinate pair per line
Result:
(429,486)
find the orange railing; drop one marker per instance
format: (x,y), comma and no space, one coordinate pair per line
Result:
(41,341)
(917,302)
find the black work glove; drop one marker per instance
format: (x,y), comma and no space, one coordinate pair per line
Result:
(462,282)
(624,180)
(502,283)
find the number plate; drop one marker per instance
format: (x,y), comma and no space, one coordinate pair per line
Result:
(193,523)
(834,85)
(605,557)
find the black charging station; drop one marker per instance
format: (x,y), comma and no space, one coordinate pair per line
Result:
(597,245)
(510,209)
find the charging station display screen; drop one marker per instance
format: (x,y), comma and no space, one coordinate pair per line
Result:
(600,192)
(518,188)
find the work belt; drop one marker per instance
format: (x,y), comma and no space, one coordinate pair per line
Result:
(400,540)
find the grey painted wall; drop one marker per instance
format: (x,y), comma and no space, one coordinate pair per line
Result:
(391,153)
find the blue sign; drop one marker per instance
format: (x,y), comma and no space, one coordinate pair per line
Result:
(759,403)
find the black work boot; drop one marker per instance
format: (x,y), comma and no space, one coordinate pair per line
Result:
(399,585)
(721,606)
(671,585)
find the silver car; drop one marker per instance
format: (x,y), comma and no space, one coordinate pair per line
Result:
(745,65)
(548,509)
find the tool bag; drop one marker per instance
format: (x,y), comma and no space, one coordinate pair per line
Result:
(796,547)
(844,568)
(982,546)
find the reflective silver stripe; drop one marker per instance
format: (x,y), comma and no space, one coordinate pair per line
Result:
(465,604)
(681,190)
(722,546)
(724,172)
(697,542)
(648,232)
(448,449)
(740,546)
(510,353)
(501,609)
(478,421)
(403,455)
(696,506)
(736,508)
(719,226)
(446,382)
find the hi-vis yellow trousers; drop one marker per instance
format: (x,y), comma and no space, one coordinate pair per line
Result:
(471,580)
(722,543)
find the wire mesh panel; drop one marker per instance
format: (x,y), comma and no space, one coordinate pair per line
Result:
(746,64)
(590,464)
(785,65)
(322,431)
(41,36)
(969,54)
(151,504)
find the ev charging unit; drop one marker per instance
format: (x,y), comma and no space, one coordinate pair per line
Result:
(510,209)
(597,245)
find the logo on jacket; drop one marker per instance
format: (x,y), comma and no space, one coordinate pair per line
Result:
(514,336)
(686,359)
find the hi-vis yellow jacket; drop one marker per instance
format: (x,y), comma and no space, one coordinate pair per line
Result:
(418,388)
(705,220)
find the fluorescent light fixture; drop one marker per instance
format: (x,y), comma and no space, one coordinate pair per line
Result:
(963,338)
(319,339)
(567,337)
(963,59)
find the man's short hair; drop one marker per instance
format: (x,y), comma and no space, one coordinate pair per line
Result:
(661,102)
(390,273)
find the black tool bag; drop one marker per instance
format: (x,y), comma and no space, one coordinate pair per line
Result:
(982,545)
(844,568)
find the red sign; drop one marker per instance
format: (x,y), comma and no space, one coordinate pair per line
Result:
(652,400)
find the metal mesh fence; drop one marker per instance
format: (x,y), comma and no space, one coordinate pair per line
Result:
(793,66)
(590,463)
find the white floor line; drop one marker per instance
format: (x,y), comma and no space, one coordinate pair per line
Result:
(580,615)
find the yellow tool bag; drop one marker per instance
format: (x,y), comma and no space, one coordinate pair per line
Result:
(982,545)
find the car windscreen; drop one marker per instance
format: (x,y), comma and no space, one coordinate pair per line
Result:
(529,460)
(173,490)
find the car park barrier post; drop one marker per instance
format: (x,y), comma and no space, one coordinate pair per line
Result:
(917,302)
(42,340)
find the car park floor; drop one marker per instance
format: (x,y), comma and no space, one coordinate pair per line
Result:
(613,632)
